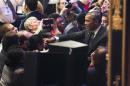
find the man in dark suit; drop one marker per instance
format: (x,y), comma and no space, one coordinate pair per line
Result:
(95,36)
(93,25)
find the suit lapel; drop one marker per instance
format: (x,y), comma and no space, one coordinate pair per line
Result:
(101,33)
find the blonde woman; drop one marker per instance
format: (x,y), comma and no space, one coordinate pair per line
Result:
(33,25)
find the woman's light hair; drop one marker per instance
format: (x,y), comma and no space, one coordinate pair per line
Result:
(28,22)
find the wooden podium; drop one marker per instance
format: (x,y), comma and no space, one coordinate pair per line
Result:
(64,65)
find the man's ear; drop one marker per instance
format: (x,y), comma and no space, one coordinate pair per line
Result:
(96,22)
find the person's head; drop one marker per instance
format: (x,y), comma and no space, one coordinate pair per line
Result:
(81,18)
(59,21)
(104,19)
(60,5)
(35,43)
(40,7)
(10,39)
(31,24)
(93,19)
(31,4)
(6,28)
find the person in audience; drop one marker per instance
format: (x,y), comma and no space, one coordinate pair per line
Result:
(40,8)
(24,36)
(59,22)
(80,21)
(84,5)
(71,23)
(3,30)
(8,12)
(32,11)
(35,43)
(98,66)
(105,5)
(8,27)
(70,6)
(32,24)
(9,39)
(105,20)
(60,5)
(44,3)
(12,74)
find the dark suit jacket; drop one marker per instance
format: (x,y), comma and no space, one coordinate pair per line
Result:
(36,14)
(82,36)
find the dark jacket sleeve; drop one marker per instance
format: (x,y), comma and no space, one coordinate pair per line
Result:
(77,36)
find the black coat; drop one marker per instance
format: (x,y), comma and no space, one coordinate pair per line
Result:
(83,36)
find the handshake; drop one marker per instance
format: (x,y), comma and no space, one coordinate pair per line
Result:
(46,41)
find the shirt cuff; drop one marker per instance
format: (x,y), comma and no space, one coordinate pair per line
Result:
(57,38)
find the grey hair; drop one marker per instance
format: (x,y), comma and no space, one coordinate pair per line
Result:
(96,13)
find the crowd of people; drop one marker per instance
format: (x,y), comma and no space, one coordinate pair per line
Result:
(84,21)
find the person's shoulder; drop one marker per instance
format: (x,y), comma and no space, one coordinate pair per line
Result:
(36,14)
(103,28)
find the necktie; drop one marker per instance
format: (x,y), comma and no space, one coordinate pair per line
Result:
(12,9)
(91,36)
